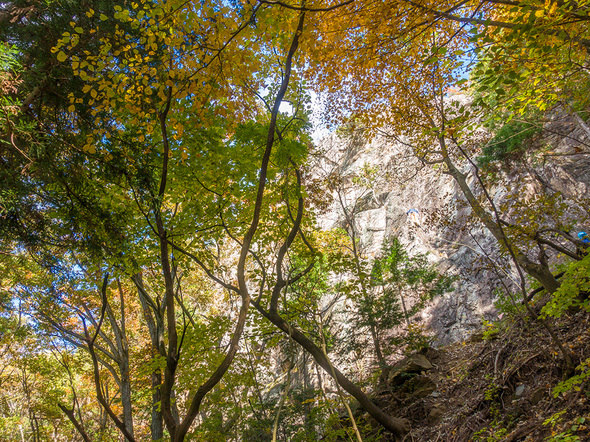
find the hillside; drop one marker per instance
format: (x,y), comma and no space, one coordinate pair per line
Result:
(499,385)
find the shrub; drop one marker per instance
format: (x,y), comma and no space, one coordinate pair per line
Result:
(512,139)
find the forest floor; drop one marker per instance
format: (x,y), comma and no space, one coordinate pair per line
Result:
(499,386)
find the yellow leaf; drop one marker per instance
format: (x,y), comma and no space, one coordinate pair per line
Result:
(72,108)
(61,56)
(539,13)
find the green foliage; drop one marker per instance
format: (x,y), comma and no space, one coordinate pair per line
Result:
(564,436)
(574,382)
(506,303)
(416,338)
(493,392)
(510,141)
(491,434)
(396,272)
(574,284)
(490,330)
(365,179)
(400,285)
(497,430)
(526,66)
(89,186)
(567,436)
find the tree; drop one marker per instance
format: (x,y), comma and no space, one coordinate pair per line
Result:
(150,152)
(155,173)
(527,54)
(404,69)
(400,77)
(139,109)
(399,280)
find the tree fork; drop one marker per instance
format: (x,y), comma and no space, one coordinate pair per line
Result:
(178,432)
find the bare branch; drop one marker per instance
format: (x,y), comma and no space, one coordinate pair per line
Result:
(303,8)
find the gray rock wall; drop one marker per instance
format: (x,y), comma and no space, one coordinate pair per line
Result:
(398,182)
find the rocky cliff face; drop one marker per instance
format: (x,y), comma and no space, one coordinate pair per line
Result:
(380,180)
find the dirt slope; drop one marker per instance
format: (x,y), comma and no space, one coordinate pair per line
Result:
(497,386)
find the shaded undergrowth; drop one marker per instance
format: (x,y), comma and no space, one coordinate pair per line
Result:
(505,383)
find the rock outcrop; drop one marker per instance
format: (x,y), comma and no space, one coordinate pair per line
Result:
(380,180)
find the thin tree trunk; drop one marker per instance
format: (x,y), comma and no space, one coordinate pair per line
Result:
(539,272)
(275,426)
(397,426)
(71,416)
(380,358)
(123,354)
(179,431)
(150,310)
(338,389)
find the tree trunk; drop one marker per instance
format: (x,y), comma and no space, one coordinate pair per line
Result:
(122,351)
(126,393)
(149,309)
(380,358)
(397,426)
(157,423)
(78,425)
(537,271)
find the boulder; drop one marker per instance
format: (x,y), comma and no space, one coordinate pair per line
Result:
(436,413)
(538,395)
(420,386)
(413,364)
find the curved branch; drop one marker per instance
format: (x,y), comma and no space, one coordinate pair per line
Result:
(397,426)
(180,431)
(97,382)
(498,24)
(303,8)
(281,282)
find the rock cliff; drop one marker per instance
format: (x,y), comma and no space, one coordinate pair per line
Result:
(380,180)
